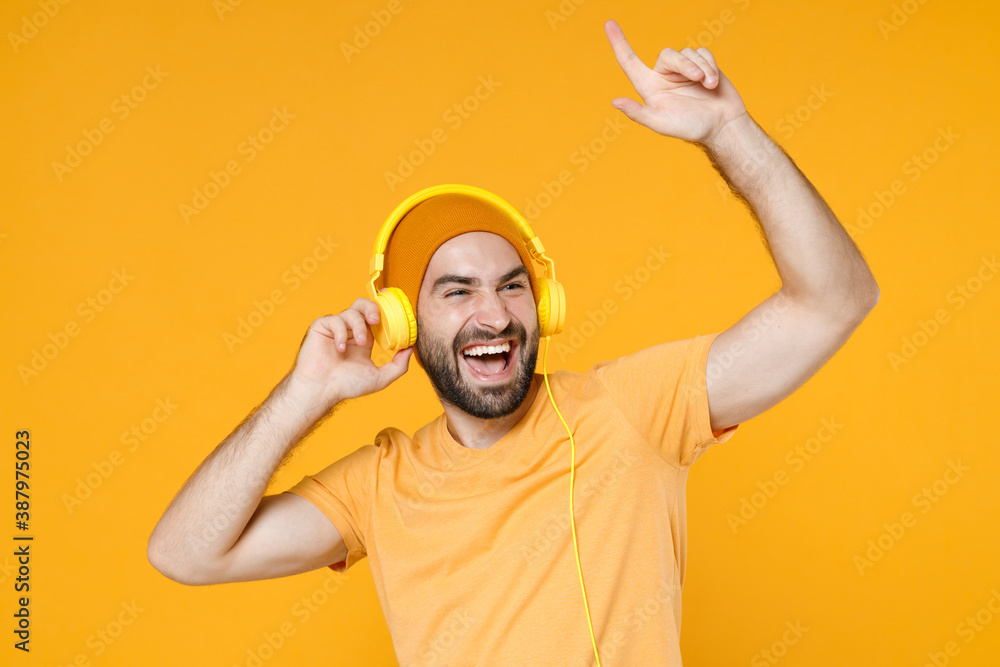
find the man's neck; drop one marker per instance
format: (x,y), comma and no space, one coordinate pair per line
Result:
(476,433)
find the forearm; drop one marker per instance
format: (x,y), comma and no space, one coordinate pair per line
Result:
(816,260)
(210,512)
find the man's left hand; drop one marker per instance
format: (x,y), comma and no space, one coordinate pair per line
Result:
(686,95)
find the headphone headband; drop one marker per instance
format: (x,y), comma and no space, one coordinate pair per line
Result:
(531,242)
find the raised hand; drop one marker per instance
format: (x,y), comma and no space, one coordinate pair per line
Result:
(686,95)
(335,359)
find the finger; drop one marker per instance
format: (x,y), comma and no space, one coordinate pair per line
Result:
(627,60)
(672,63)
(707,55)
(394,369)
(368,308)
(331,326)
(635,111)
(355,321)
(708,76)
(315,325)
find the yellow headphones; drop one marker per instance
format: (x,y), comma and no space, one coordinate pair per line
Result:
(397,327)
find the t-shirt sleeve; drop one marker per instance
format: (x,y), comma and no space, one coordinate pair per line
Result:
(342,491)
(662,392)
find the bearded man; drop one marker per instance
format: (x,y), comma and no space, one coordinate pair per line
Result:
(475,557)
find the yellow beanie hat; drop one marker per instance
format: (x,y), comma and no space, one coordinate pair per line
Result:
(432,222)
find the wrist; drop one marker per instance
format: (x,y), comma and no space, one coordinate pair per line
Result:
(731,134)
(306,396)
(744,154)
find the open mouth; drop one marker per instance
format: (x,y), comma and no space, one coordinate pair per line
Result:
(490,361)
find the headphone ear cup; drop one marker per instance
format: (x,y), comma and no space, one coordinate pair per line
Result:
(397,327)
(551,308)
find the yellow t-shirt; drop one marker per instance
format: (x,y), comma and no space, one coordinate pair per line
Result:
(471,550)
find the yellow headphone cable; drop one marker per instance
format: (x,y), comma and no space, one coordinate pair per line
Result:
(572,475)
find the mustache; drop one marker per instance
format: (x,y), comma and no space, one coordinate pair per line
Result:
(514,329)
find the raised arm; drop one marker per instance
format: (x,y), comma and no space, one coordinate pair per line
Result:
(826,286)
(220,527)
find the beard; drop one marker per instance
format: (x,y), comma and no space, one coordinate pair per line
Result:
(489,402)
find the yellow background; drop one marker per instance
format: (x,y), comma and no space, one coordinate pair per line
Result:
(880,93)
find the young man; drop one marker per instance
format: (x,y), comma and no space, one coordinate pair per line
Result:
(466,524)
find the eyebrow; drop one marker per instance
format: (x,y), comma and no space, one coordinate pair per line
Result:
(453,278)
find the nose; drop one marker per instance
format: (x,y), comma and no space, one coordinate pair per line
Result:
(492,313)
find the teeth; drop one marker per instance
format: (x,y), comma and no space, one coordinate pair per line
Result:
(480,350)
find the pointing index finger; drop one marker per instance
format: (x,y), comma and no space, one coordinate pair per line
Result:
(629,62)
